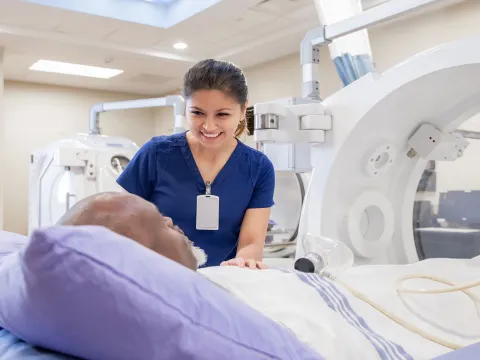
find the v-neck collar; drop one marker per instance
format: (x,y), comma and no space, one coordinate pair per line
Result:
(192,165)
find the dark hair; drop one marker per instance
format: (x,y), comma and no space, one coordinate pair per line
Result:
(220,75)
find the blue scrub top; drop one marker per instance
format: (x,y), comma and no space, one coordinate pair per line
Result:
(165,173)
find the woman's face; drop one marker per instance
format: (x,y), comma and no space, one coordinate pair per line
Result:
(213,117)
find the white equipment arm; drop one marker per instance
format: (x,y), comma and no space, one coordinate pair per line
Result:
(315,38)
(176,101)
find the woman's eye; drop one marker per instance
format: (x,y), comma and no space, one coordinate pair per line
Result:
(197,113)
(223,114)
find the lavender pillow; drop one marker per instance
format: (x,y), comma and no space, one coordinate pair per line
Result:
(91,293)
(11,348)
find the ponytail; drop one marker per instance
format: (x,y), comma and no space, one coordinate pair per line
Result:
(242,129)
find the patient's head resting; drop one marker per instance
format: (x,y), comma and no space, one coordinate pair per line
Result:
(133,217)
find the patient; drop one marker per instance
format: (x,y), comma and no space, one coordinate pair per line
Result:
(131,216)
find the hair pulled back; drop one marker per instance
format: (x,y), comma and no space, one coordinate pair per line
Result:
(220,75)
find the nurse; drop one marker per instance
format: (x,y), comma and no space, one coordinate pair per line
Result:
(216,189)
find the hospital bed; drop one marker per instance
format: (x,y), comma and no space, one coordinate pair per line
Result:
(327,314)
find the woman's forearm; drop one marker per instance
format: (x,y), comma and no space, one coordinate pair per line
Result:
(251,251)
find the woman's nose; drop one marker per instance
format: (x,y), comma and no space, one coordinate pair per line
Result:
(209,125)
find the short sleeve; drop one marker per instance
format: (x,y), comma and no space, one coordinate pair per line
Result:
(262,196)
(139,175)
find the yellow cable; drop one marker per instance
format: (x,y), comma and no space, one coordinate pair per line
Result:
(436,291)
(404,323)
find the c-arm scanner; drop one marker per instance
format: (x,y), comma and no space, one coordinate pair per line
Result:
(369,143)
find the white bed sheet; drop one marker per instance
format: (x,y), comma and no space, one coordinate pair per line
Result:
(340,326)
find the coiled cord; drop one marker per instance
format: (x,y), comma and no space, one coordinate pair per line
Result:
(398,286)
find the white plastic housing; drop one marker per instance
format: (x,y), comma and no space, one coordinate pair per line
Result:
(370,207)
(69,170)
(432,144)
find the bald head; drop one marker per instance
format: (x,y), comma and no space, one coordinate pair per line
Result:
(133,217)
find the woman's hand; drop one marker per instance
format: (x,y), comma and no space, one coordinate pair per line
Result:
(241,262)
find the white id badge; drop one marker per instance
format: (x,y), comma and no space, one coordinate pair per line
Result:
(208,208)
(207,212)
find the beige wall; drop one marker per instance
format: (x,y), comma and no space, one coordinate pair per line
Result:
(36,115)
(164,121)
(164,118)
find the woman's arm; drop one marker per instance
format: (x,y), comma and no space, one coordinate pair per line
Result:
(252,234)
(254,226)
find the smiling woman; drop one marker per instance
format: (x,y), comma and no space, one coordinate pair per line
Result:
(215,188)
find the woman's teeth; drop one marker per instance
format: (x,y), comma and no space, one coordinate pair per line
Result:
(211,135)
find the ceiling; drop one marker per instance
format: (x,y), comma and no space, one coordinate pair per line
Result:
(246,32)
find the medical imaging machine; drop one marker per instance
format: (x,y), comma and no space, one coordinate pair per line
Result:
(369,143)
(69,170)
